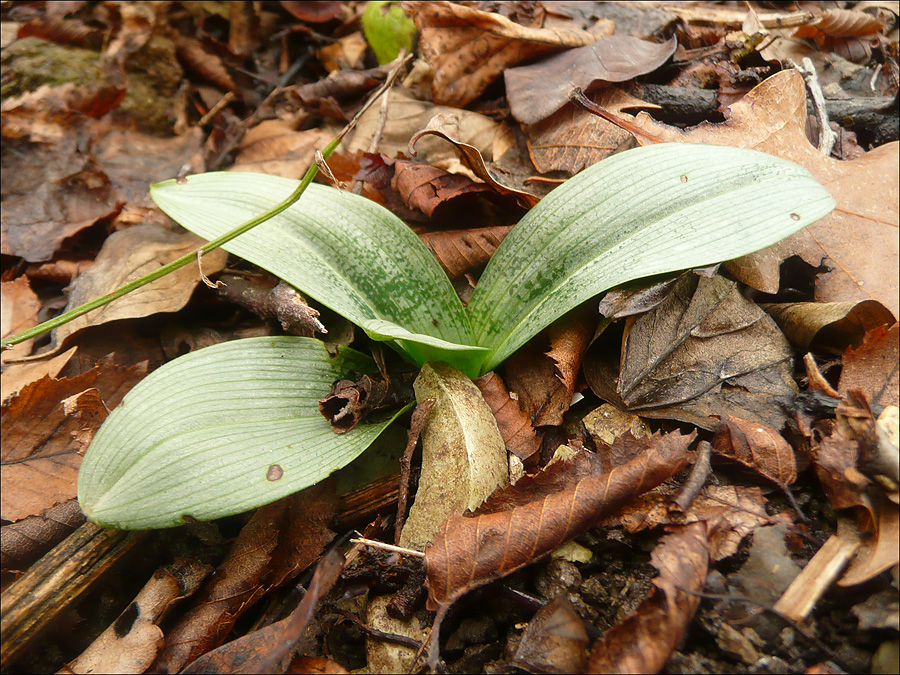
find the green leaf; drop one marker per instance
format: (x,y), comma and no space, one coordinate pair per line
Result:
(346,251)
(647,211)
(423,348)
(388,29)
(220,431)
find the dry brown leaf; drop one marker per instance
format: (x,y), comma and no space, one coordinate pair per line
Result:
(314,12)
(448,128)
(18,375)
(194,56)
(554,640)
(274,147)
(573,138)
(515,426)
(828,326)
(468,48)
(464,251)
(858,240)
(280,539)
(705,351)
(19,307)
(873,367)
(425,187)
(757,446)
(127,255)
(878,553)
(267,650)
(42,445)
(470,552)
(842,23)
(130,644)
(643,642)
(26,540)
(538,90)
(606,423)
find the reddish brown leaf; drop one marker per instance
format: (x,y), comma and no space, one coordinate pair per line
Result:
(23,542)
(314,12)
(757,446)
(515,426)
(538,90)
(463,251)
(468,48)
(266,650)
(316,665)
(42,440)
(873,366)
(554,640)
(206,65)
(274,147)
(828,327)
(281,539)
(645,640)
(842,23)
(470,552)
(425,187)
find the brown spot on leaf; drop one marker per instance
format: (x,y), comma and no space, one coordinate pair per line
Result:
(274,473)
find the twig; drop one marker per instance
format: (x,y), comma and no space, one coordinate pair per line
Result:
(379,132)
(188,258)
(578,98)
(415,428)
(696,480)
(205,278)
(827,137)
(388,547)
(379,634)
(222,102)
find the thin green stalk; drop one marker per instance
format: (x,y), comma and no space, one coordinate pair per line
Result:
(188,258)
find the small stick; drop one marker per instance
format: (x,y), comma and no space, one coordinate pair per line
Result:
(203,276)
(415,428)
(578,98)
(225,100)
(387,547)
(697,479)
(826,136)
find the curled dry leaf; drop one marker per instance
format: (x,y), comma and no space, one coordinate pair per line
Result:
(515,425)
(538,90)
(208,66)
(463,456)
(858,240)
(448,128)
(828,326)
(425,187)
(127,255)
(554,640)
(470,552)
(873,367)
(468,48)
(643,642)
(757,446)
(842,23)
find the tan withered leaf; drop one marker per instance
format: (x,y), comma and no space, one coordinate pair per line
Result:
(858,240)
(643,642)
(42,442)
(515,426)
(470,552)
(461,251)
(757,446)
(538,90)
(468,49)
(268,650)
(554,640)
(828,326)
(127,255)
(275,147)
(872,367)
(18,311)
(281,539)
(704,351)
(573,138)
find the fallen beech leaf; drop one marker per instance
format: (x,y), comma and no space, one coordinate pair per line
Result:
(554,640)
(268,649)
(130,644)
(538,90)
(573,138)
(515,426)
(757,446)
(643,642)
(878,553)
(470,552)
(463,251)
(18,311)
(18,375)
(41,444)
(281,538)
(858,240)
(606,423)
(26,540)
(842,23)
(873,367)
(704,351)
(194,56)
(828,326)
(463,456)
(468,48)
(127,255)
(425,187)
(448,128)
(274,147)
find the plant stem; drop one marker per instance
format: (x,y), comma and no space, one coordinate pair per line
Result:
(188,258)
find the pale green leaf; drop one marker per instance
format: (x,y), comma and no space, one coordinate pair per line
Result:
(346,251)
(220,431)
(647,211)
(388,29)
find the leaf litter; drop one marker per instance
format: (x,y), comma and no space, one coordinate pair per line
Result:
(78,156)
